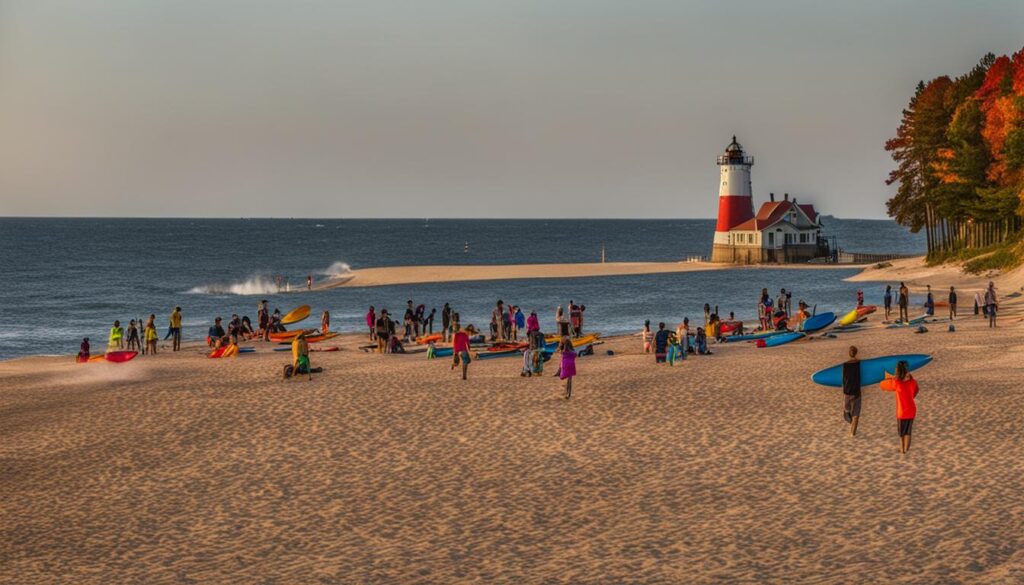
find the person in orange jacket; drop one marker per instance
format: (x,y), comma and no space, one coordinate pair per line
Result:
(905,387)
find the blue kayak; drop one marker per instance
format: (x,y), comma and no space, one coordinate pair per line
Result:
(872,371)
(776,340)
(818,322)
(754,336)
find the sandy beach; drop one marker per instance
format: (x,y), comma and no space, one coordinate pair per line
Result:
(389,469)
(393,275)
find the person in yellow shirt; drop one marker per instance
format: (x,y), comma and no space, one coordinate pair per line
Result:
(151,335)
(300,356)
(116,339)
(175,328)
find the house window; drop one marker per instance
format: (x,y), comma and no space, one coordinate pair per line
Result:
(803,238)
(771,239)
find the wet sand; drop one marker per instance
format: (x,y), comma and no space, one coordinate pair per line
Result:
(389,469)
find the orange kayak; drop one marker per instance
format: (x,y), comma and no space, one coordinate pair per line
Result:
(425,339)
(288,335)
(321,337)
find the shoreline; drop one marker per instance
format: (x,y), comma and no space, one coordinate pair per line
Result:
(397,275)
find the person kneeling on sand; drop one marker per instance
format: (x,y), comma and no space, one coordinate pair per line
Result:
(851,391)
(905,387)
(300,359)
(460,351)
(83,350)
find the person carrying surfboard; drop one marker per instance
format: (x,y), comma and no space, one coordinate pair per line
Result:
(851,391)
(906,389)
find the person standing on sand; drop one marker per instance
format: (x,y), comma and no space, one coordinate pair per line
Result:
(175,329)
(133,342)
(309,282)
(371,323)
(646,336)
(383,327)
(151,335)
(116,338)
(887,301)
(905,387)
(460,351)
(683,336)
(519,321)
(325,322)
(929,303)
(446,322)
(575,319)
(977,304)
(851,391)
(952,304)
(561,321)
(567,370)
(904,303)
(532,323)
(263,320)
(661,344)
(991,304)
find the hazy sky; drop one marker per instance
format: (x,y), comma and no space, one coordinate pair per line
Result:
(463,109)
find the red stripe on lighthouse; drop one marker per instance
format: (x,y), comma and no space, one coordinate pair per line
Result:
(733,210)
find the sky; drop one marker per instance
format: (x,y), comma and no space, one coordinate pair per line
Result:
(448,108)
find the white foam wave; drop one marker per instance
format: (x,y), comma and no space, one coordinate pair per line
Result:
(337,269)
(254,285)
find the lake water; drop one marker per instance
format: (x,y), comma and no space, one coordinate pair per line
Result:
(64,279)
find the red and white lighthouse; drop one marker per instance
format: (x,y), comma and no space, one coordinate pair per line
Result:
(735,199)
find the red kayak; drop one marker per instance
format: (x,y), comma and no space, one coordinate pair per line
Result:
(119,356)
(507,346)
(730,326)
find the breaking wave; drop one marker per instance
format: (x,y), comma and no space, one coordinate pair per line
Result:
(337,269)
(254,285)
(265,285)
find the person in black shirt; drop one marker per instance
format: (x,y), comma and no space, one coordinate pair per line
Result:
(952,303)
(446,322)
(661,343)
(851,391)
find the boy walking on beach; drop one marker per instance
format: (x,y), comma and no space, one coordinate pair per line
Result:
(460,348)
(952,303)
(851,391)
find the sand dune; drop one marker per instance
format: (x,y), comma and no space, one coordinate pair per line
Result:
(389,469)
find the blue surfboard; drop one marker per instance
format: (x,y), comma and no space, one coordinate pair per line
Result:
(776,340)
(818,322)
(872,371)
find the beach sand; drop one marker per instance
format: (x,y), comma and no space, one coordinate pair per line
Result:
(392,275)
(389,469)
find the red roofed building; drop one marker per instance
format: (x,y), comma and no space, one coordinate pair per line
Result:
(781,231)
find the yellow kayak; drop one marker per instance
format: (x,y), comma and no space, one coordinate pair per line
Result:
(296,315)
(577,342)
(848,318)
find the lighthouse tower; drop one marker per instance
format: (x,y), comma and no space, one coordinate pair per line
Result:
(735,201)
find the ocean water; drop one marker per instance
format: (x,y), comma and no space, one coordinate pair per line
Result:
(64,279)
